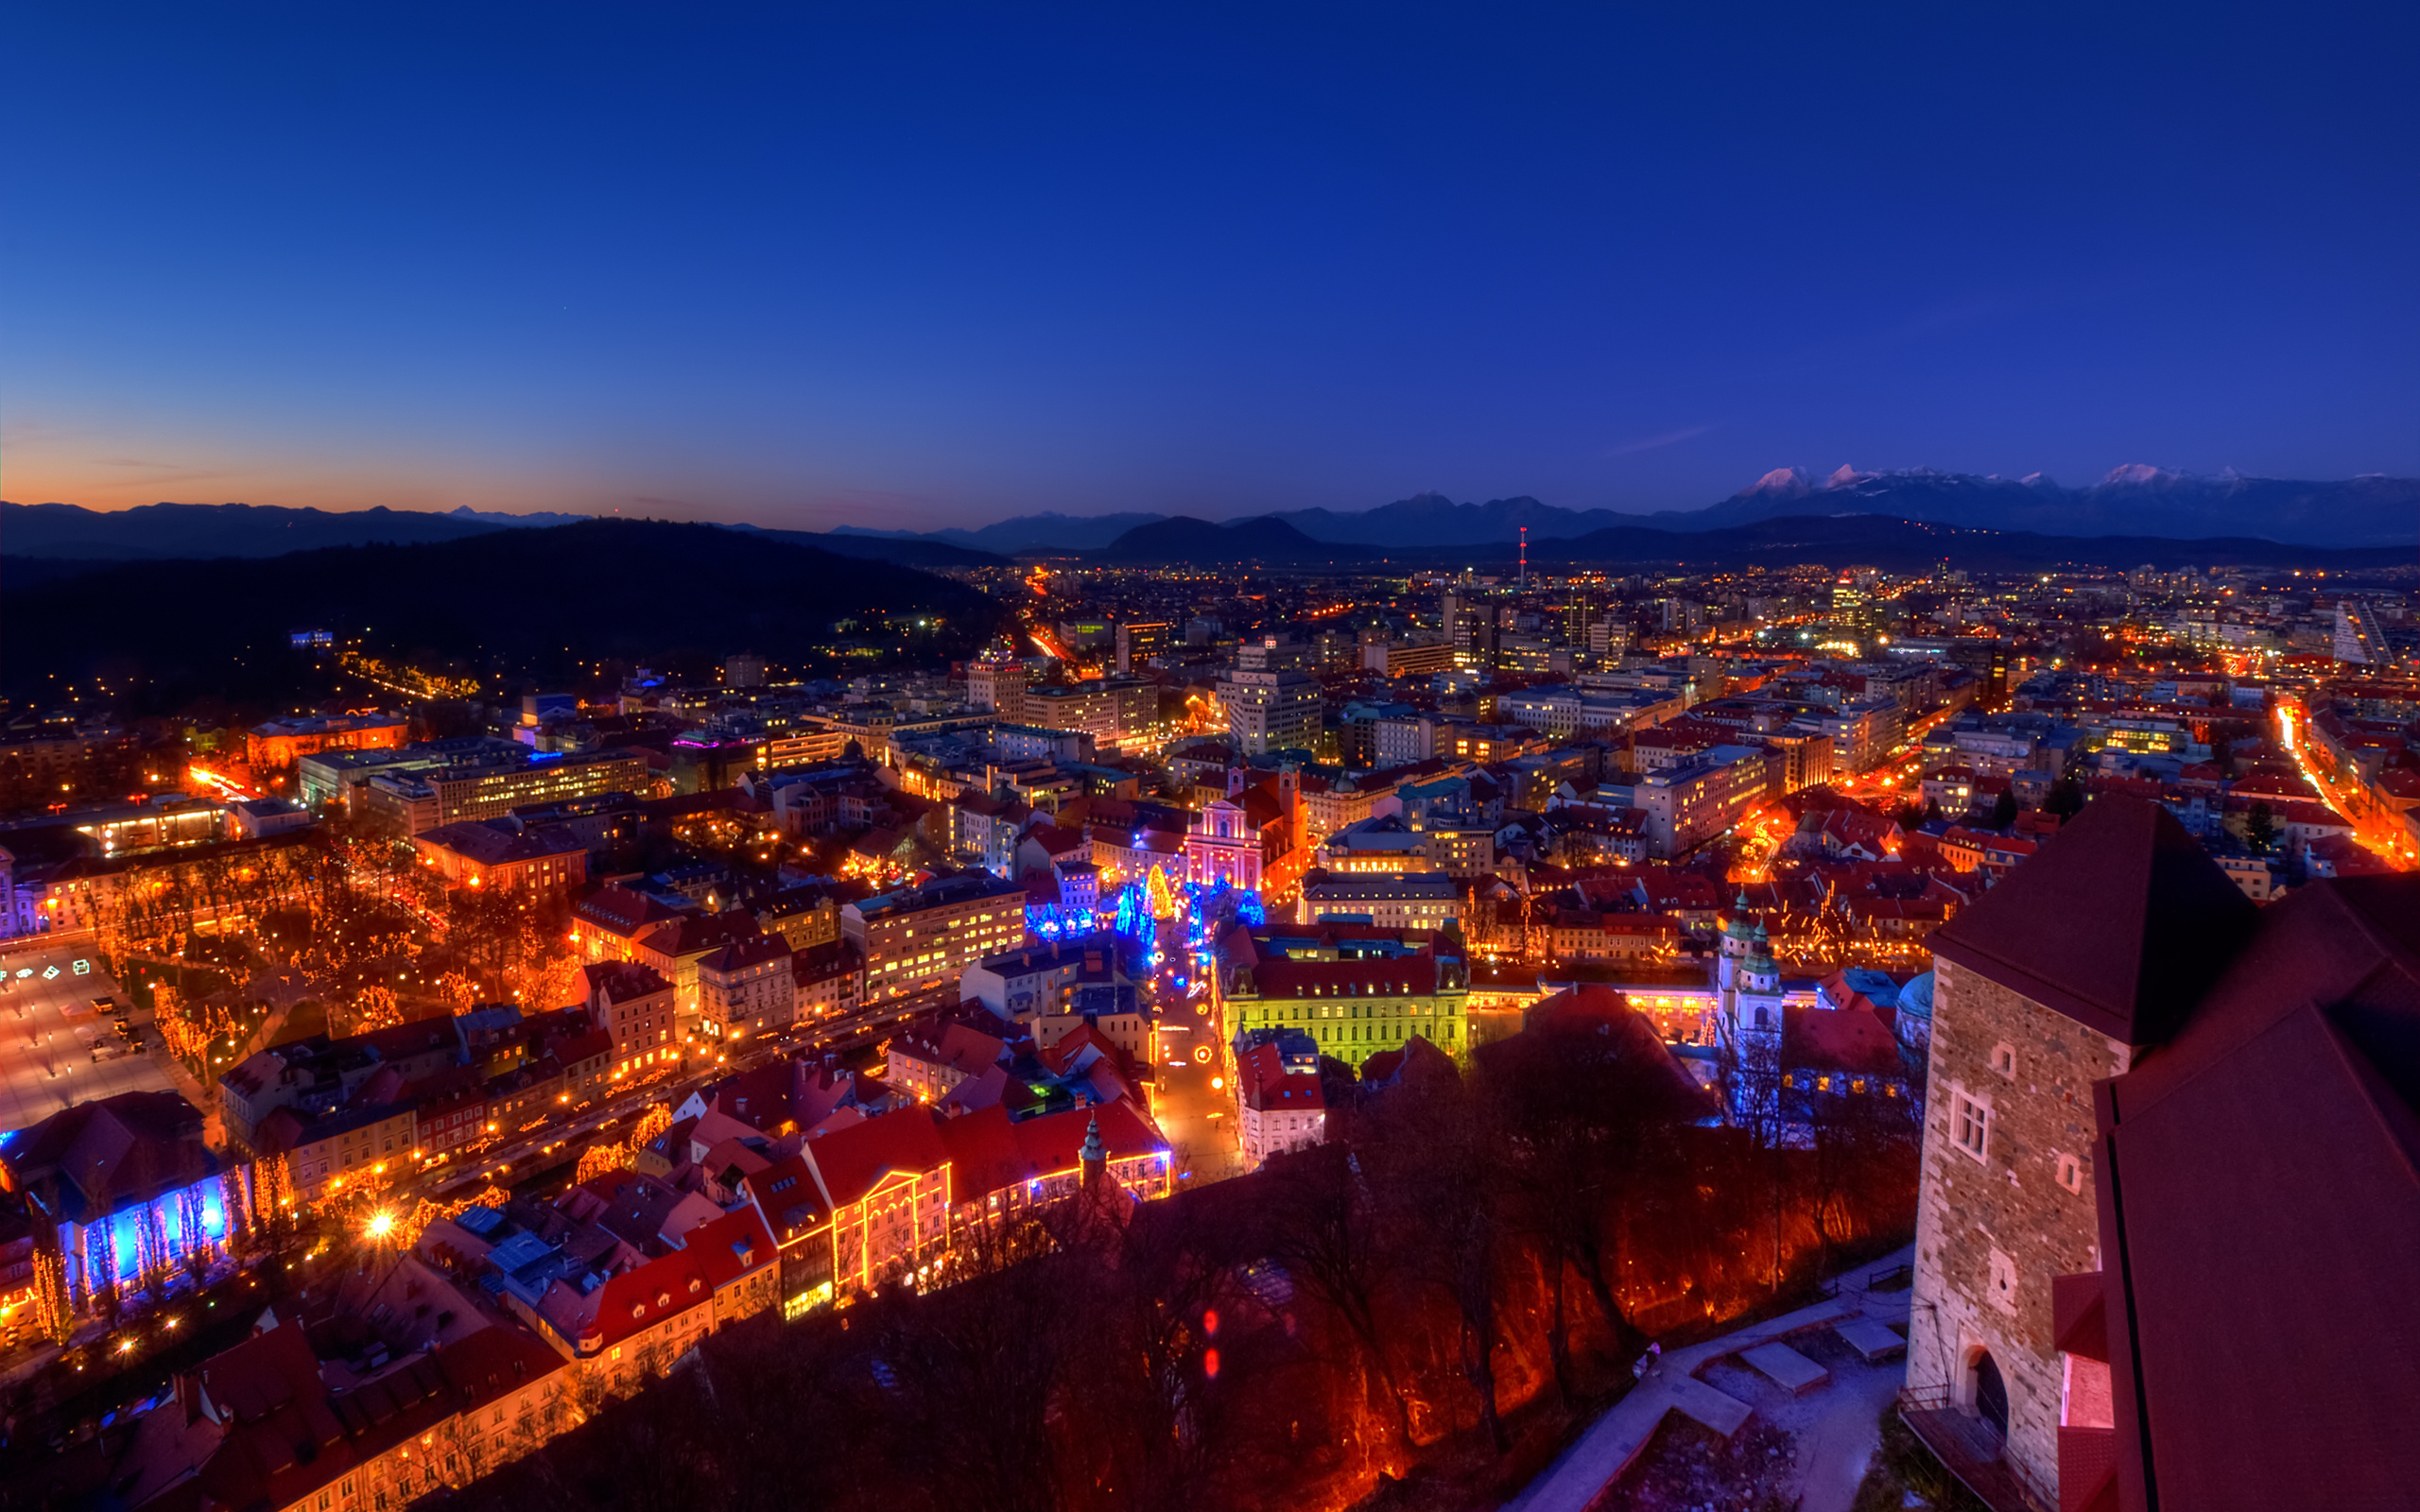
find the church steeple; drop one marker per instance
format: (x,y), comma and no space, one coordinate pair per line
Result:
(1093,1158)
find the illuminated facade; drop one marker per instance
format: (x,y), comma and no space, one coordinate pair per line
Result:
(918,938)
(1354,989)
(886,1184)
(123,1191)
(281,742)
(1222,849)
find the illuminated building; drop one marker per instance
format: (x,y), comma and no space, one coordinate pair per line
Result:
(281,742)
(606,924)
(334,777)
(119,1188)
(746,988)
(159,822)
(675,947)
(1082,974)
(1223,849)
(1420,900)
(1402,659)
(633,1003)
(1356,989)
(501,857)
(918,938)
(886,1183)
(417,801)
(1114,711)
(1279,1108)
(792,1210)
(997,686)
(350,1150)
(1270,711)
(830,979)
(1138,643)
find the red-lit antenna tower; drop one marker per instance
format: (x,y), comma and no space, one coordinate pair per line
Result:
(1525,556)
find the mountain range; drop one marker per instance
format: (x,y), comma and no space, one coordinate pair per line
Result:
(1781,541)
(2135,501)
(2371,510)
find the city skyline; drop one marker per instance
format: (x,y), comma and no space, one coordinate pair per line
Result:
(933,271)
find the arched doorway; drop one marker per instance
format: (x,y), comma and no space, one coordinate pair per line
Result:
(1991,1393)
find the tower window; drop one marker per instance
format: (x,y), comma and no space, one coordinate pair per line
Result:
(2071,1173)
(1970,1124)
(2004,1059)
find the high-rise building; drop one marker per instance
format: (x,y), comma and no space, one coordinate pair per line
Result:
(2360,638)
(1270,711)
(1137,644)
(997,686)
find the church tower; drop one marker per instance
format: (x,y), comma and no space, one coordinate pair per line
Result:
(1093,1158)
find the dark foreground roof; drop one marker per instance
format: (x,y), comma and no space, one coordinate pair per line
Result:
(2260,1189)
(2119,922)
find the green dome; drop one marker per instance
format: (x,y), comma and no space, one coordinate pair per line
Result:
(1740,925)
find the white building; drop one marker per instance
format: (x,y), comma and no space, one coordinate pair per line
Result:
(1419,899)
(1277,1109)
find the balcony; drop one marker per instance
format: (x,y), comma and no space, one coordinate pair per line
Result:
(1970,1450)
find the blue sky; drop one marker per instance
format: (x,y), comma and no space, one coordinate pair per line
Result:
(920,266)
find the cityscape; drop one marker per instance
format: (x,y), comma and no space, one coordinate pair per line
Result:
(1826,991)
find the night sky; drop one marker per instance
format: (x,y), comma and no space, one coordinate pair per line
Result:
(914,266)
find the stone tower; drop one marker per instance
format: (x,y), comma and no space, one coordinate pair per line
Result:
(2092,950)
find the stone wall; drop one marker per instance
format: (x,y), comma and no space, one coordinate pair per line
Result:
(1992,1233)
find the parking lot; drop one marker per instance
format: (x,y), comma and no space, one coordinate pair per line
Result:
(48,1028)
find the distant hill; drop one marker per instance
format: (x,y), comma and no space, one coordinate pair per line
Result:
(165,531)
(1267,539)
(519,602)
(1049,532)
(906,549)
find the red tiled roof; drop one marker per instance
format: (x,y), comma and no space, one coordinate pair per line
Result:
(1851,1039)
(741,953)
(851,1163)
(619,910)
(1052,1142)
(697,934)
(1269,1086)
(1403,976)
(786,1193)
(623,981)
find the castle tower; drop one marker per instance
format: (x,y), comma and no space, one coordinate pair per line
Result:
(2093,950)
